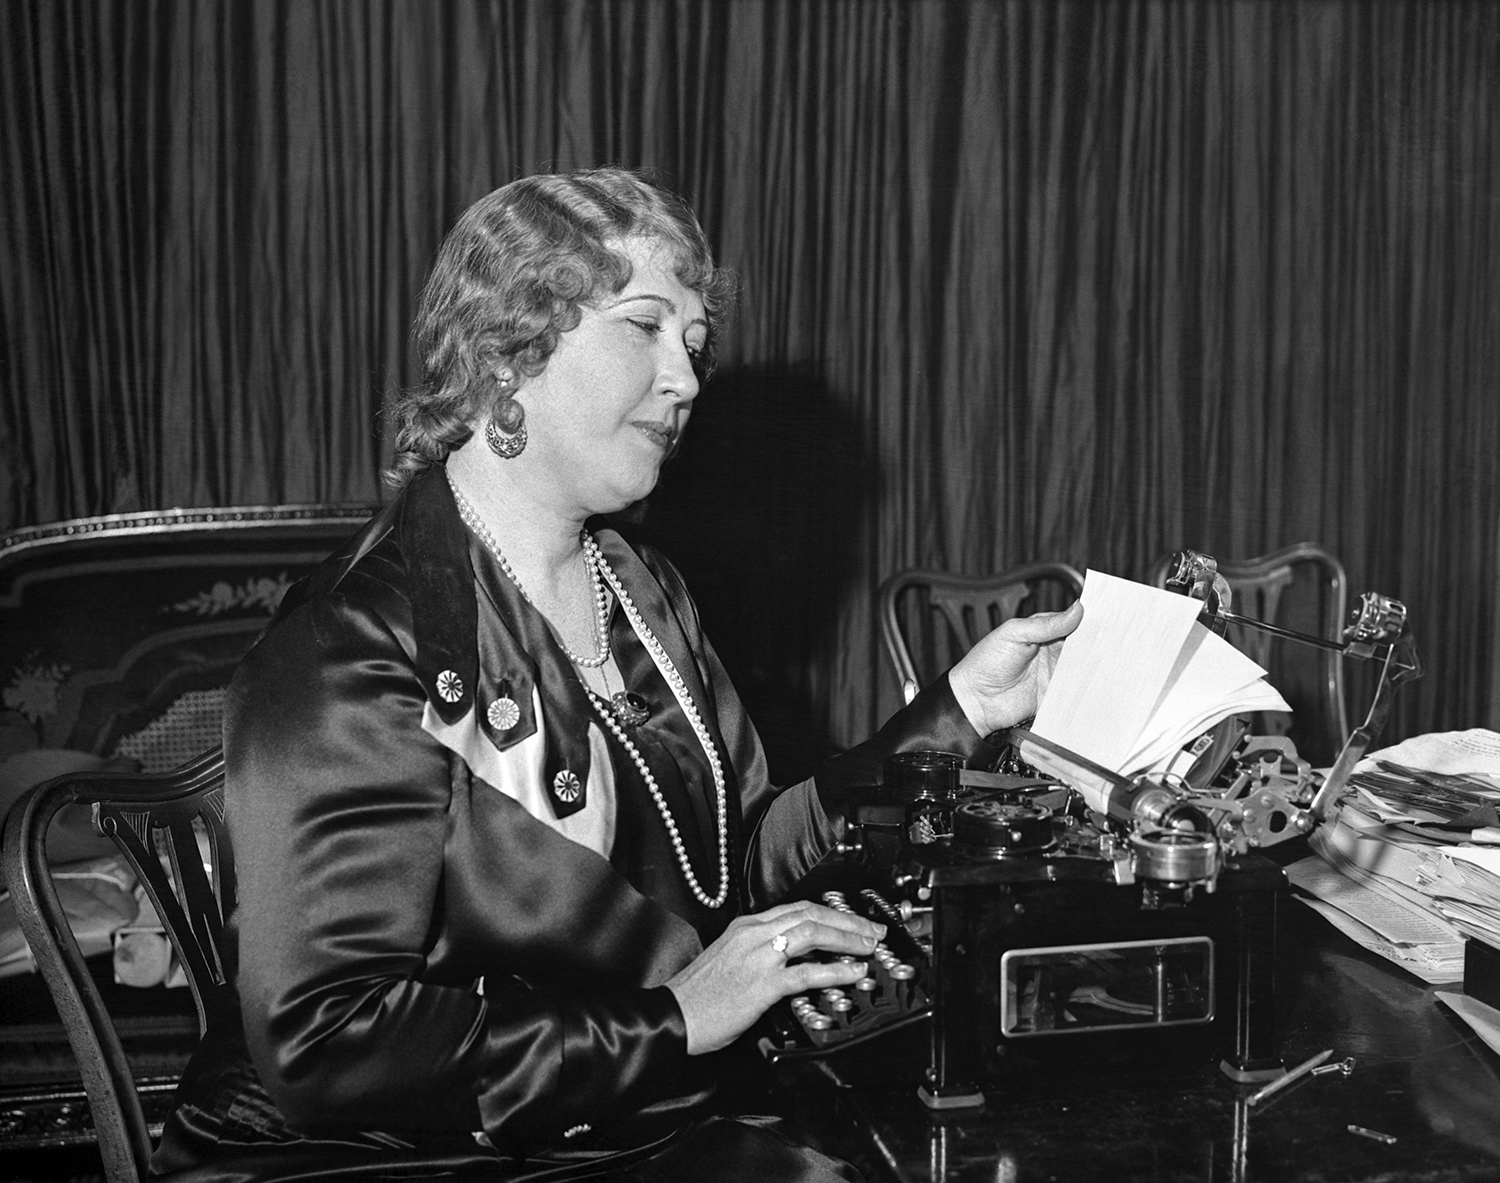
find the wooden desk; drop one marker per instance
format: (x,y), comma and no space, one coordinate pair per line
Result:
(1419,1075)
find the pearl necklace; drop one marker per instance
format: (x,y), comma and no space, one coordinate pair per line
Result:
(668,670)
(602,574)
(590,562)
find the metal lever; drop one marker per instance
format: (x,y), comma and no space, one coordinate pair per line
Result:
(1377,630)
(1401,665)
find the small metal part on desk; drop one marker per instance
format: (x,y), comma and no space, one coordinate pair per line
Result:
(1364,1132)
(1343,1067)
(1293,1074)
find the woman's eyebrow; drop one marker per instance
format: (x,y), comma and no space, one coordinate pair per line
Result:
(664,301)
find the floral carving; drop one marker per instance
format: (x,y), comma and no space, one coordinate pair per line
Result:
(264,593)
(32,692)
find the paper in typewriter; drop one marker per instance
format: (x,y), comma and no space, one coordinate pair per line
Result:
(1140,678)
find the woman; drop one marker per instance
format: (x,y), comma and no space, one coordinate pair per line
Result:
(504,835)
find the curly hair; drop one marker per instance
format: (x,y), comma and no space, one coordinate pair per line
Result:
(512,277)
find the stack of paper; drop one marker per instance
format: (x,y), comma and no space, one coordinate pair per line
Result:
(1400,869)
(1140,678)
(1412,937)
(1464,882)
(1362,884)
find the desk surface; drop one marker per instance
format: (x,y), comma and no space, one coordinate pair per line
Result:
(1420,1075)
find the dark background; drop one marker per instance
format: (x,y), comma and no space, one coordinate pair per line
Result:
(1084,281)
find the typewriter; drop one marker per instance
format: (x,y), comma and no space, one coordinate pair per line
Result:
(1060,917)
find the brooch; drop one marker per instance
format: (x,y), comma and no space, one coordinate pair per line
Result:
(630,708)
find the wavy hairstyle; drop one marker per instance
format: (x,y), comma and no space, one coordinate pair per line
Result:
(512,277)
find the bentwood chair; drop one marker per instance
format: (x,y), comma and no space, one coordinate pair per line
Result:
(170,828)
(932,618)
(1301,587)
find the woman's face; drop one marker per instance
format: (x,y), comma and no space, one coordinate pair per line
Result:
(617,390)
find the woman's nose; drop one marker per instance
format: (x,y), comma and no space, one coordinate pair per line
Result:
(679,376)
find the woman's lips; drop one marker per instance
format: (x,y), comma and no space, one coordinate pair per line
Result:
(659,433)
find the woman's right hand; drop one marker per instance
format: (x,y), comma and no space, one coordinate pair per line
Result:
(1002,679)
(742,974)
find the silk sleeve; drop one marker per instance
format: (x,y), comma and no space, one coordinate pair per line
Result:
(340,807)
(787,831)
(800,824)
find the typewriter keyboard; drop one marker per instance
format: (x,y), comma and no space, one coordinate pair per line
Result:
(892,989)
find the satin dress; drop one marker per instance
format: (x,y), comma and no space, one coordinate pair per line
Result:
(458,898)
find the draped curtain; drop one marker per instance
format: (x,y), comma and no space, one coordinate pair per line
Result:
(1020,280)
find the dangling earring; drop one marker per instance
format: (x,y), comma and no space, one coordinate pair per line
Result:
(505,432)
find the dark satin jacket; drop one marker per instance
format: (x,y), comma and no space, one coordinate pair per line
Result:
(421,951)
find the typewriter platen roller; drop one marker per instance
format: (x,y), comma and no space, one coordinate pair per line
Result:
(1067,915)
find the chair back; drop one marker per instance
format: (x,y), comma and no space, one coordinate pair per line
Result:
(170,829)
(932,618)
(1301,587)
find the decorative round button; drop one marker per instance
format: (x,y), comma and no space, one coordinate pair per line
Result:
(450,686)
(503,714)
(566,786)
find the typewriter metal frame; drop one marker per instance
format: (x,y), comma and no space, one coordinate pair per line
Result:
(1156,884)
(1077,900)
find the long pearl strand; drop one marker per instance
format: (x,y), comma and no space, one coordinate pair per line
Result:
(602,574)
(590,561)
(700,729)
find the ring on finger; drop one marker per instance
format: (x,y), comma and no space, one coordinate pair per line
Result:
(779,942)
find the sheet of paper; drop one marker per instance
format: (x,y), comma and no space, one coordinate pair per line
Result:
(1396,889)
(1481,923)
(1199,699)
(1474,751)
(1485,1020)
(1462,887)
(1114,668)
(1486,858)
(1412,959)
(1398,922)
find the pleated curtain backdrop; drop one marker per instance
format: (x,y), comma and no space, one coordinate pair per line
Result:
(1083,281)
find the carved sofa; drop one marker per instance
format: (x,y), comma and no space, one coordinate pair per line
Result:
(118,635)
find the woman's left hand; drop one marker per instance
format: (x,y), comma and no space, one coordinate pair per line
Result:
(1000,681)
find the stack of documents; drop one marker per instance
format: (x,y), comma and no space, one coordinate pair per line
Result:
(1140,678)
(1409,864)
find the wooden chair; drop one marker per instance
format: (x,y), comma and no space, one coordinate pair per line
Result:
(163,824)
(1302,587)
(170,828)
(941,616)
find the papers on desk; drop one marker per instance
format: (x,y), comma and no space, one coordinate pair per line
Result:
(1397,867)
(1483,1020)
(1472,753)
(1140,678)
(1410,936)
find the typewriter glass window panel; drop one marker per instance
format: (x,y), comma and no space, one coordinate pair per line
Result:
(1075,988)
